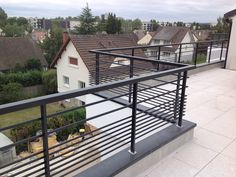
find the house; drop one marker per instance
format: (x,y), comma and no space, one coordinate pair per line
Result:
(172,35)
(202,35)
(17,50)
(145,40)
(39,35)
(75,64)
(139,33)
(74,24)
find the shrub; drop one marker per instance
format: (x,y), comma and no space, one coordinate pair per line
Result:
(49,79)
(26,79)
(33,64)
(11,92)
(29,130)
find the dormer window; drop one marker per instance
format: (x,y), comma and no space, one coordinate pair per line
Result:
(73,61)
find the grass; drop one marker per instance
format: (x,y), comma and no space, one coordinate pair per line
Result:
(26,114)
(201,58)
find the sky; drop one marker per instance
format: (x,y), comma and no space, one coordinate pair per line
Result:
(161,10)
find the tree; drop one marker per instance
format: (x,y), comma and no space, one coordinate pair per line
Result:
(50,81)
(113,24)
(3,17)
(87,22)
(126,25)
(222,26)
(11,92)
(136,24)
(13,30)
(101,24)
(33,64)
(155,25)
(52,43)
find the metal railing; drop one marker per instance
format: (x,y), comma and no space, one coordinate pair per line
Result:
(124,111)
(194,53)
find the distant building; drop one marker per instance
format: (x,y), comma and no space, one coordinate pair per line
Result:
(74,24)
(147,26)
(39,35)
(172,35)
(202,35)
(17,50)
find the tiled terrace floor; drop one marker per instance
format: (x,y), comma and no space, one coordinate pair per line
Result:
(212,152)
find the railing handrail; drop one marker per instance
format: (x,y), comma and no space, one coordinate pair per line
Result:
(153,46)
(16,106)
(138,58)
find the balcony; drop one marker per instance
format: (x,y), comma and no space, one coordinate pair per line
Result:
(137,106)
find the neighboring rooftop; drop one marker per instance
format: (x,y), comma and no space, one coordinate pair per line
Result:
(170,33)
(17,50)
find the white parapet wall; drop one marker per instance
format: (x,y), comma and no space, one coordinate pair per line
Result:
(231,60)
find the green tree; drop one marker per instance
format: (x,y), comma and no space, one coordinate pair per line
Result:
(155,25)
(33,64)
(126,25)
(52,43)
(222,26)
(113,24)
(13,30)
(11,92)
(136,24)
(87,22)
(50,81)
(101,24)
(3,17)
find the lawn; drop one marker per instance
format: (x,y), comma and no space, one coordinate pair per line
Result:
(26,114)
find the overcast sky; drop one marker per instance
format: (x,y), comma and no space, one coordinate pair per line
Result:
(161,10)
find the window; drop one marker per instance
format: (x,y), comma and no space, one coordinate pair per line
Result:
(73,61)
(166,53)
(156,41)
(81,84)
(66,80)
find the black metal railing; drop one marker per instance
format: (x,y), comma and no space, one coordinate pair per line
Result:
(134,59)
(118,114)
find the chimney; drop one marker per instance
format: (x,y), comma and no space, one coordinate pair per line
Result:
(65,36)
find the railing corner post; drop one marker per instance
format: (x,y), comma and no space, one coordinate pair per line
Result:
(97,70)
(45,139)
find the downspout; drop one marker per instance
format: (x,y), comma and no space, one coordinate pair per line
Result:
(227,51)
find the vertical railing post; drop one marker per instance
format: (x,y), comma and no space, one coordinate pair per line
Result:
(222,48)
(97,69)
(182,99)
(158,57)
(133,125)
(195,56)
(209,56)
(177,96)
(45,139)
(180,50)
(131,73)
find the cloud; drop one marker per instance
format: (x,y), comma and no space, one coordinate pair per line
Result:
(168,10)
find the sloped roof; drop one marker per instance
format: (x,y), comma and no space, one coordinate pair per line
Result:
(230,13)
(85,43)
(15,50)
(202,34)
(170,33)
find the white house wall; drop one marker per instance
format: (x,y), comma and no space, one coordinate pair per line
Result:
(231,61)
(75,73)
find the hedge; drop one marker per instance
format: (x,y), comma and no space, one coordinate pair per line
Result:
(26,79)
